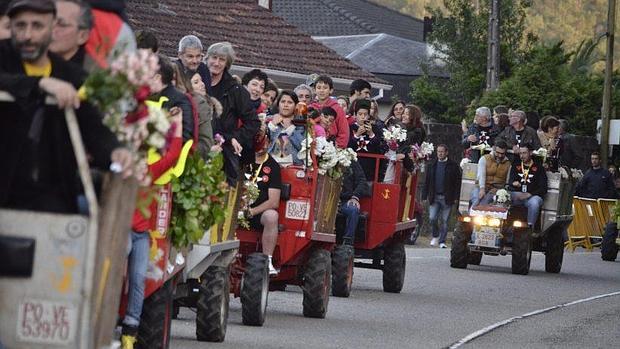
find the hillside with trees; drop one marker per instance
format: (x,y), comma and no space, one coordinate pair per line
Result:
(571,21)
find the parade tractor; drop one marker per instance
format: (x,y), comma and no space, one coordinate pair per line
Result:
(302,255)
(496,230)
(611,242)
(61,273)
(204,284)
(385,223)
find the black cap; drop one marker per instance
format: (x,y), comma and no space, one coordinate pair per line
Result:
(39,6)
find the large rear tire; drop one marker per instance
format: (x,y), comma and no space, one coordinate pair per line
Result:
(154,330)
(317,274)
(474,258)
(212,305)
(521,251)
(459,253)
(342,270)
(394,263)
(555,251)
(609,248)
(255,290)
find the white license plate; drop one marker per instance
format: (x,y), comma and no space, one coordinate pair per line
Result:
(486,236)
(298,210)
(41,321)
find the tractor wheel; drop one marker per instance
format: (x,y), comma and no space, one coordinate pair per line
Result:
(474,258)
(342,270)
(394,262)
(154,330)
(317,274)
(459,254)
(521,251)
(555,251)
(255,289)
(212,305)
(609,248)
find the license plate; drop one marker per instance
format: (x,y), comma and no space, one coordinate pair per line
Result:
(298,210)
(41,321)
(486,237)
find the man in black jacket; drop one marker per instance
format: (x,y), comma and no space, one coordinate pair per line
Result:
(528,182)
(238,123)
(597,183)
(442,190)
(39,167)
(354,187)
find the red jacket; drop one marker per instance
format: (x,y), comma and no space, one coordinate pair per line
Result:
(140,223)
(340,126)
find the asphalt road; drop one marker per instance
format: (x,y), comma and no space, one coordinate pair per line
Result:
(440,306)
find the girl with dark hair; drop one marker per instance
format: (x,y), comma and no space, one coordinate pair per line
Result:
(549,136)
(412,121)
(396,113)
(286,138)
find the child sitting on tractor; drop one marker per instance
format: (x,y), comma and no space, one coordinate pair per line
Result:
(138,245)
(263,213)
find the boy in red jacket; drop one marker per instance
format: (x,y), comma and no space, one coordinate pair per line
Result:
(324,87)
(138,246)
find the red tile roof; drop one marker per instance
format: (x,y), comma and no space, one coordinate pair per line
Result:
(260,38)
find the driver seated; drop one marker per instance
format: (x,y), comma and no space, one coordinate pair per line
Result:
(493,174)
(354,187)
(263,213)
(528,182)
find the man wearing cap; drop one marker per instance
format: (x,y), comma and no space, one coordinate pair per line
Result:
(39,167)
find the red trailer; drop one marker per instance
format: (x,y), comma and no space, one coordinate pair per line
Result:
(386,221)
(303,253)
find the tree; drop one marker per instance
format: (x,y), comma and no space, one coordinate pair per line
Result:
(460,39)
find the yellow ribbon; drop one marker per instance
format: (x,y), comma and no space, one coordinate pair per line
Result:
(154,235)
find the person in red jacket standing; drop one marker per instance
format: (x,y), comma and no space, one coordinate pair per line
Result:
(139,240)
(324,87)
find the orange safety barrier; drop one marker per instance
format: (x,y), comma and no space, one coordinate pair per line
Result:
(590,218)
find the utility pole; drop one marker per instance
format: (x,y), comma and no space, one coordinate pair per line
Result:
(493,48)
(609,67)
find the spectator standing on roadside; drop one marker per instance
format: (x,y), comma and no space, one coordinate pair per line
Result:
(442,190)
(597,183)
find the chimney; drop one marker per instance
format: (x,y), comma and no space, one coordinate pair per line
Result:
(428,27)
(265,4)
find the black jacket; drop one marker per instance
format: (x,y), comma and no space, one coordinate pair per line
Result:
(39,168)
(176,98)
(537,181)
(354,183)
(238,120)
(596,184)
(452,182)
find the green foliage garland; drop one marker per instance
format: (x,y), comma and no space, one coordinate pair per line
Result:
(199,199)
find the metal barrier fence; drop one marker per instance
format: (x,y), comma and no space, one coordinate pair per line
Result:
(591,216)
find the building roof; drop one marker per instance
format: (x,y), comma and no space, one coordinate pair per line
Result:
(348,17)
(386,54)
(260,39)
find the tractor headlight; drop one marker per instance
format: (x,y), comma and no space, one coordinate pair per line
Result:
(518,224)
(479,220)
(466,219)
(494,222)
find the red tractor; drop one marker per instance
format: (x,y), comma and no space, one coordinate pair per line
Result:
(303,252)
(386,222)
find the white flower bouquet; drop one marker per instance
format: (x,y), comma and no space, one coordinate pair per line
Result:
(331,160)
(502,197)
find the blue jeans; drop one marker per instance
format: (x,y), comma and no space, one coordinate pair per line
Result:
(436,209)
(138,248)
(476,200)
(533,205)
(352,215)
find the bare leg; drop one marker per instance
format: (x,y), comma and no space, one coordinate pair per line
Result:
(269,220)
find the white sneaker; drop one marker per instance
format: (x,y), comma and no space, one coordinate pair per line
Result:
(442,245)
(434,241)
(272,270)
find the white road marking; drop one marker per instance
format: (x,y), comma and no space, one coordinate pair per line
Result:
(490,328)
